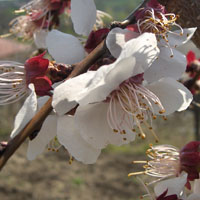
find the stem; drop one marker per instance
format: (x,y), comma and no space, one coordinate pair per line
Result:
(130,19)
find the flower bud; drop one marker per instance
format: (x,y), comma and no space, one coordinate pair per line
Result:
(190,159)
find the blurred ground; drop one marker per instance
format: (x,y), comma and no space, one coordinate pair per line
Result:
(50,177)
(9,47)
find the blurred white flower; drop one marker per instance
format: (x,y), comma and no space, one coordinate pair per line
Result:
(64,48)
(83,15)
(166,65)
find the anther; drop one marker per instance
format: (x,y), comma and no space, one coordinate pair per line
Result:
(165,118)
(71,159)
(150,145)
(115,131)
(123,132)
(143,136)
(154,116)
(162,111)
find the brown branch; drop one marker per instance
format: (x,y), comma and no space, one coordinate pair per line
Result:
(130,19)
(79,68)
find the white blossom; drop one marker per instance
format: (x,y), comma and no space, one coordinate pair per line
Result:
(114,99)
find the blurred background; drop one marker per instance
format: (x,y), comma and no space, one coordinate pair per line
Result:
(50,176)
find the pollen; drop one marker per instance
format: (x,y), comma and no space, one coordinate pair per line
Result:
(115,131)
(162,111)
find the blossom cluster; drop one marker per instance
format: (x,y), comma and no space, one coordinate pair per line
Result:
(118,98)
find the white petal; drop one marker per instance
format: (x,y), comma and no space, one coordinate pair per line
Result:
(83,15)
(107,79)
(40,38)
(172,94)
(136,56)
(143,48)
(69,136)
(94,128)
(177,40)
(26,113)
(46,134)
(166,66)
(117,38)
(64,98)
(174,186)
(64,48)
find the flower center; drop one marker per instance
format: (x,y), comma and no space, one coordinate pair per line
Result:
(165,161)
(132,105)
(160,24)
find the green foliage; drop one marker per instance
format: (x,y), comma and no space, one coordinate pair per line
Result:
(78,181)
(119,9)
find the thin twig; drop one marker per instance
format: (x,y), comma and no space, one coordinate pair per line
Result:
(130,19)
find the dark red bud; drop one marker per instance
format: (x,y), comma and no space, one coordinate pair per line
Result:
(190,57)
(36,66)
(36,69)
(95,38)
(42,86)
(190,159)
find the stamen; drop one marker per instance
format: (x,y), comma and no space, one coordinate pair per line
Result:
(54,145)
(140,162)
(165,118)
(136,107)
(152,131)
(137,173)
(160,24)
(147,190)
(164,161)
(71,159)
